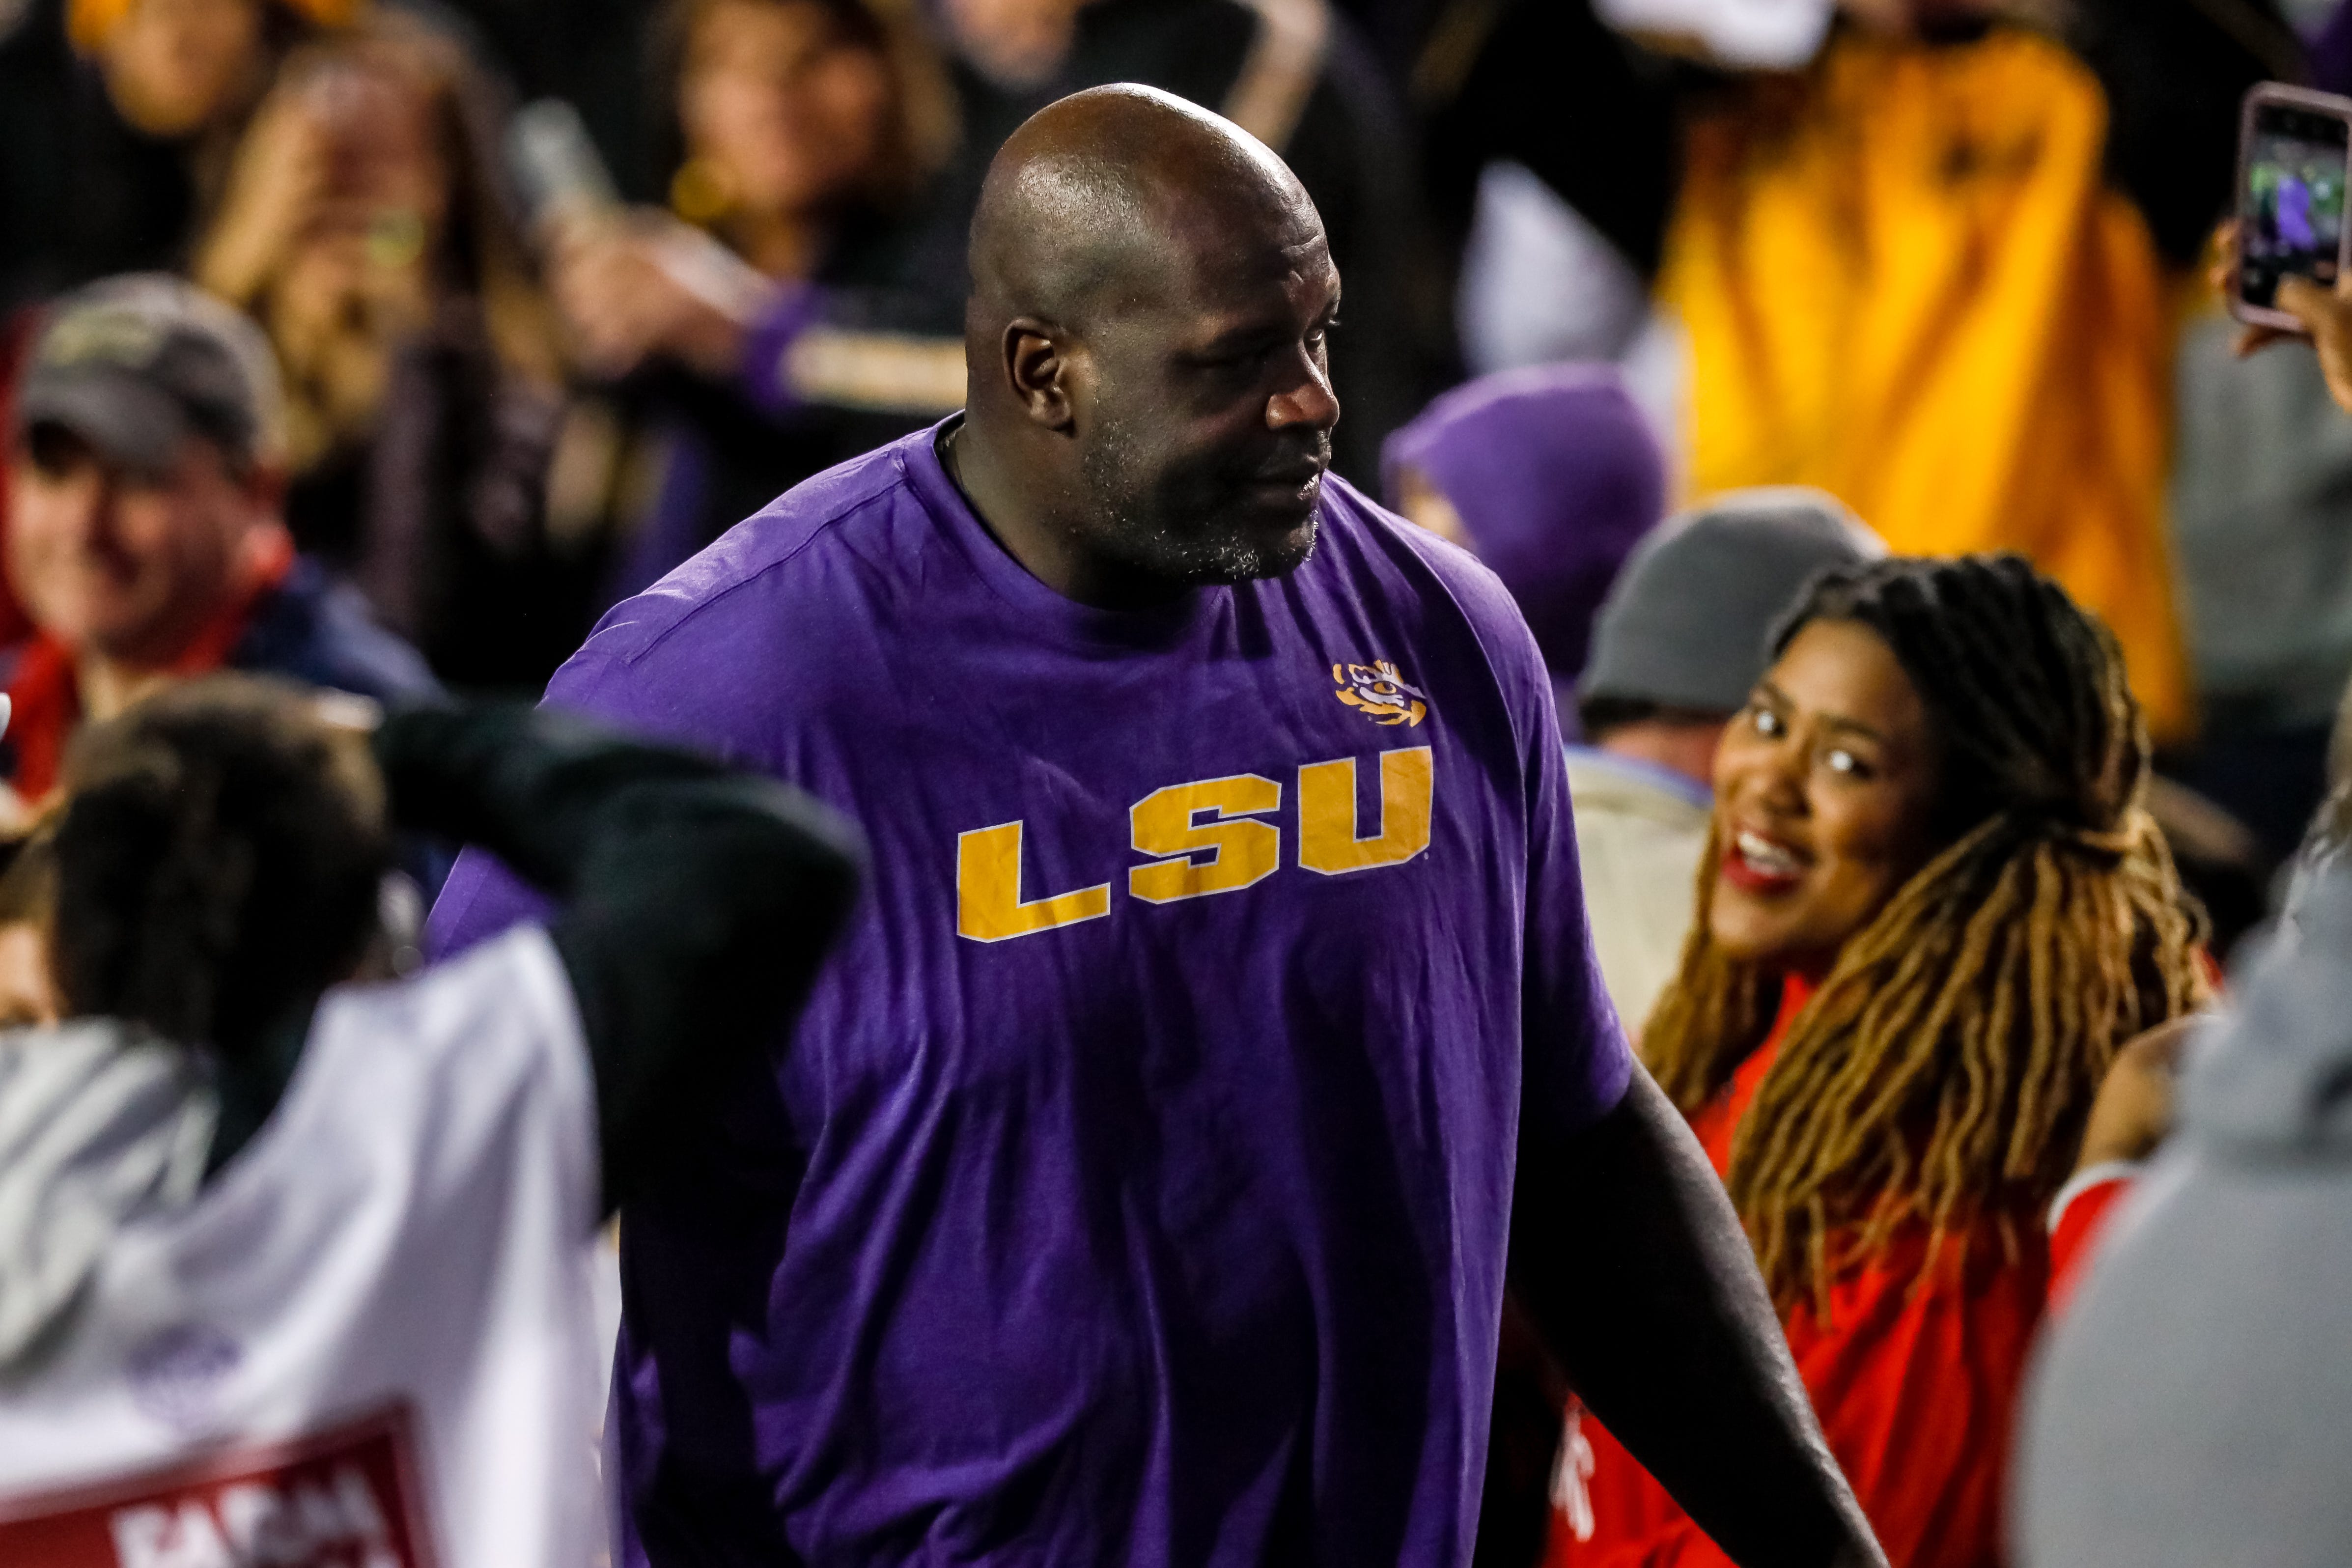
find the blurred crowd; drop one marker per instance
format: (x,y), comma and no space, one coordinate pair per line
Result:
(487,315)
(557,294)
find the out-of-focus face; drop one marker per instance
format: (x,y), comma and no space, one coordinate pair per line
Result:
(383,195)
(1206,408)
(789,115)
(127,565)
(381,154)
(175,65)
(1015,41)
(1825,791)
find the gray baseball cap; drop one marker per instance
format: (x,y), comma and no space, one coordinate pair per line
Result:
(1688,622)
(136,365)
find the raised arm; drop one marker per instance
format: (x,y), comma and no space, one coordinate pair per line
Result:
(1628,1256)
(695,902)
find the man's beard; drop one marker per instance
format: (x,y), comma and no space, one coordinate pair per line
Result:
(1185,526)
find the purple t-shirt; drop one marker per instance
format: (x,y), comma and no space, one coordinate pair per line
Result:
(1134,1188)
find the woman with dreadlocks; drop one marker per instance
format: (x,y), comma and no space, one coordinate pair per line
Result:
(1932,909)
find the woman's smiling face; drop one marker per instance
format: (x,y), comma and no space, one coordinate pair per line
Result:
(1825,791)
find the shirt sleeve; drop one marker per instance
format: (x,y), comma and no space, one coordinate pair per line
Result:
(1577,1061)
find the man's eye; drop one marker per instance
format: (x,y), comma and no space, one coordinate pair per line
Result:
(1841,760)
(1764,721)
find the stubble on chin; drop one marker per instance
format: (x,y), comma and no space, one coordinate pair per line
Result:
(1195,539)
(1250,562)
(1223,555)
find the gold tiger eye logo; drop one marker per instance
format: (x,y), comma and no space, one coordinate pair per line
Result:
(1378,692)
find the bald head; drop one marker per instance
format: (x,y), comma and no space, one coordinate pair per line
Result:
(1149,404)
(1097,201)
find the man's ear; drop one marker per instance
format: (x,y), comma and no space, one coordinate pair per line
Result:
(1037,368)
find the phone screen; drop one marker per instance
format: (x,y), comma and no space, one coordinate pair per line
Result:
(2292,210)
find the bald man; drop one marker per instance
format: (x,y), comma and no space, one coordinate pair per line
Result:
(1138,1186)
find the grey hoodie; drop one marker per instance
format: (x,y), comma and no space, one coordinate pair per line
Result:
(101,1124)
(2195,1405)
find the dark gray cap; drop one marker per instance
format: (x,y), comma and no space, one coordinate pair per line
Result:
(1689,620)
(136,365)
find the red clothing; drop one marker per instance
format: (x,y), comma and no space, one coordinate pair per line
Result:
(15,338)
(1913,1380)
(46,695)
(2075,1234)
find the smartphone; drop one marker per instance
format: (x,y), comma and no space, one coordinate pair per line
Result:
(2294,154)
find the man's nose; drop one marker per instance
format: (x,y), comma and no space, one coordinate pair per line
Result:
(1309,402)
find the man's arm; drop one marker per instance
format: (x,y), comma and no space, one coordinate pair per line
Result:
(695,902)
(1627,1254)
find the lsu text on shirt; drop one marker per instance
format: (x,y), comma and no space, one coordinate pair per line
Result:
(1134,1188)
(367,1342)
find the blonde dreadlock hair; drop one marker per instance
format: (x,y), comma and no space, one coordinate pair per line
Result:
(1944,1069)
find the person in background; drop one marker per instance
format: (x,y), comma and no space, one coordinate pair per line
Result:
(2231,1129)
(590,54)
(2262,524)
(116,118)
(805,132)
(2069,337)
(146,467)
(2138,1104)
(1146,1270)
(329,1239)
(1814,231)
(1549,476)
(1550,146)
(116,121)
(1932,909)
(2190,1405)
(365,227)
(2324,314)
(1680,642)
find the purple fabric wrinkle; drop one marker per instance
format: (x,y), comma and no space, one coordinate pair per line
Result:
(1555,474)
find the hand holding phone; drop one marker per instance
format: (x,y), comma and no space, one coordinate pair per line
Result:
(2295,159)
(2322,316)
(2280,287)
